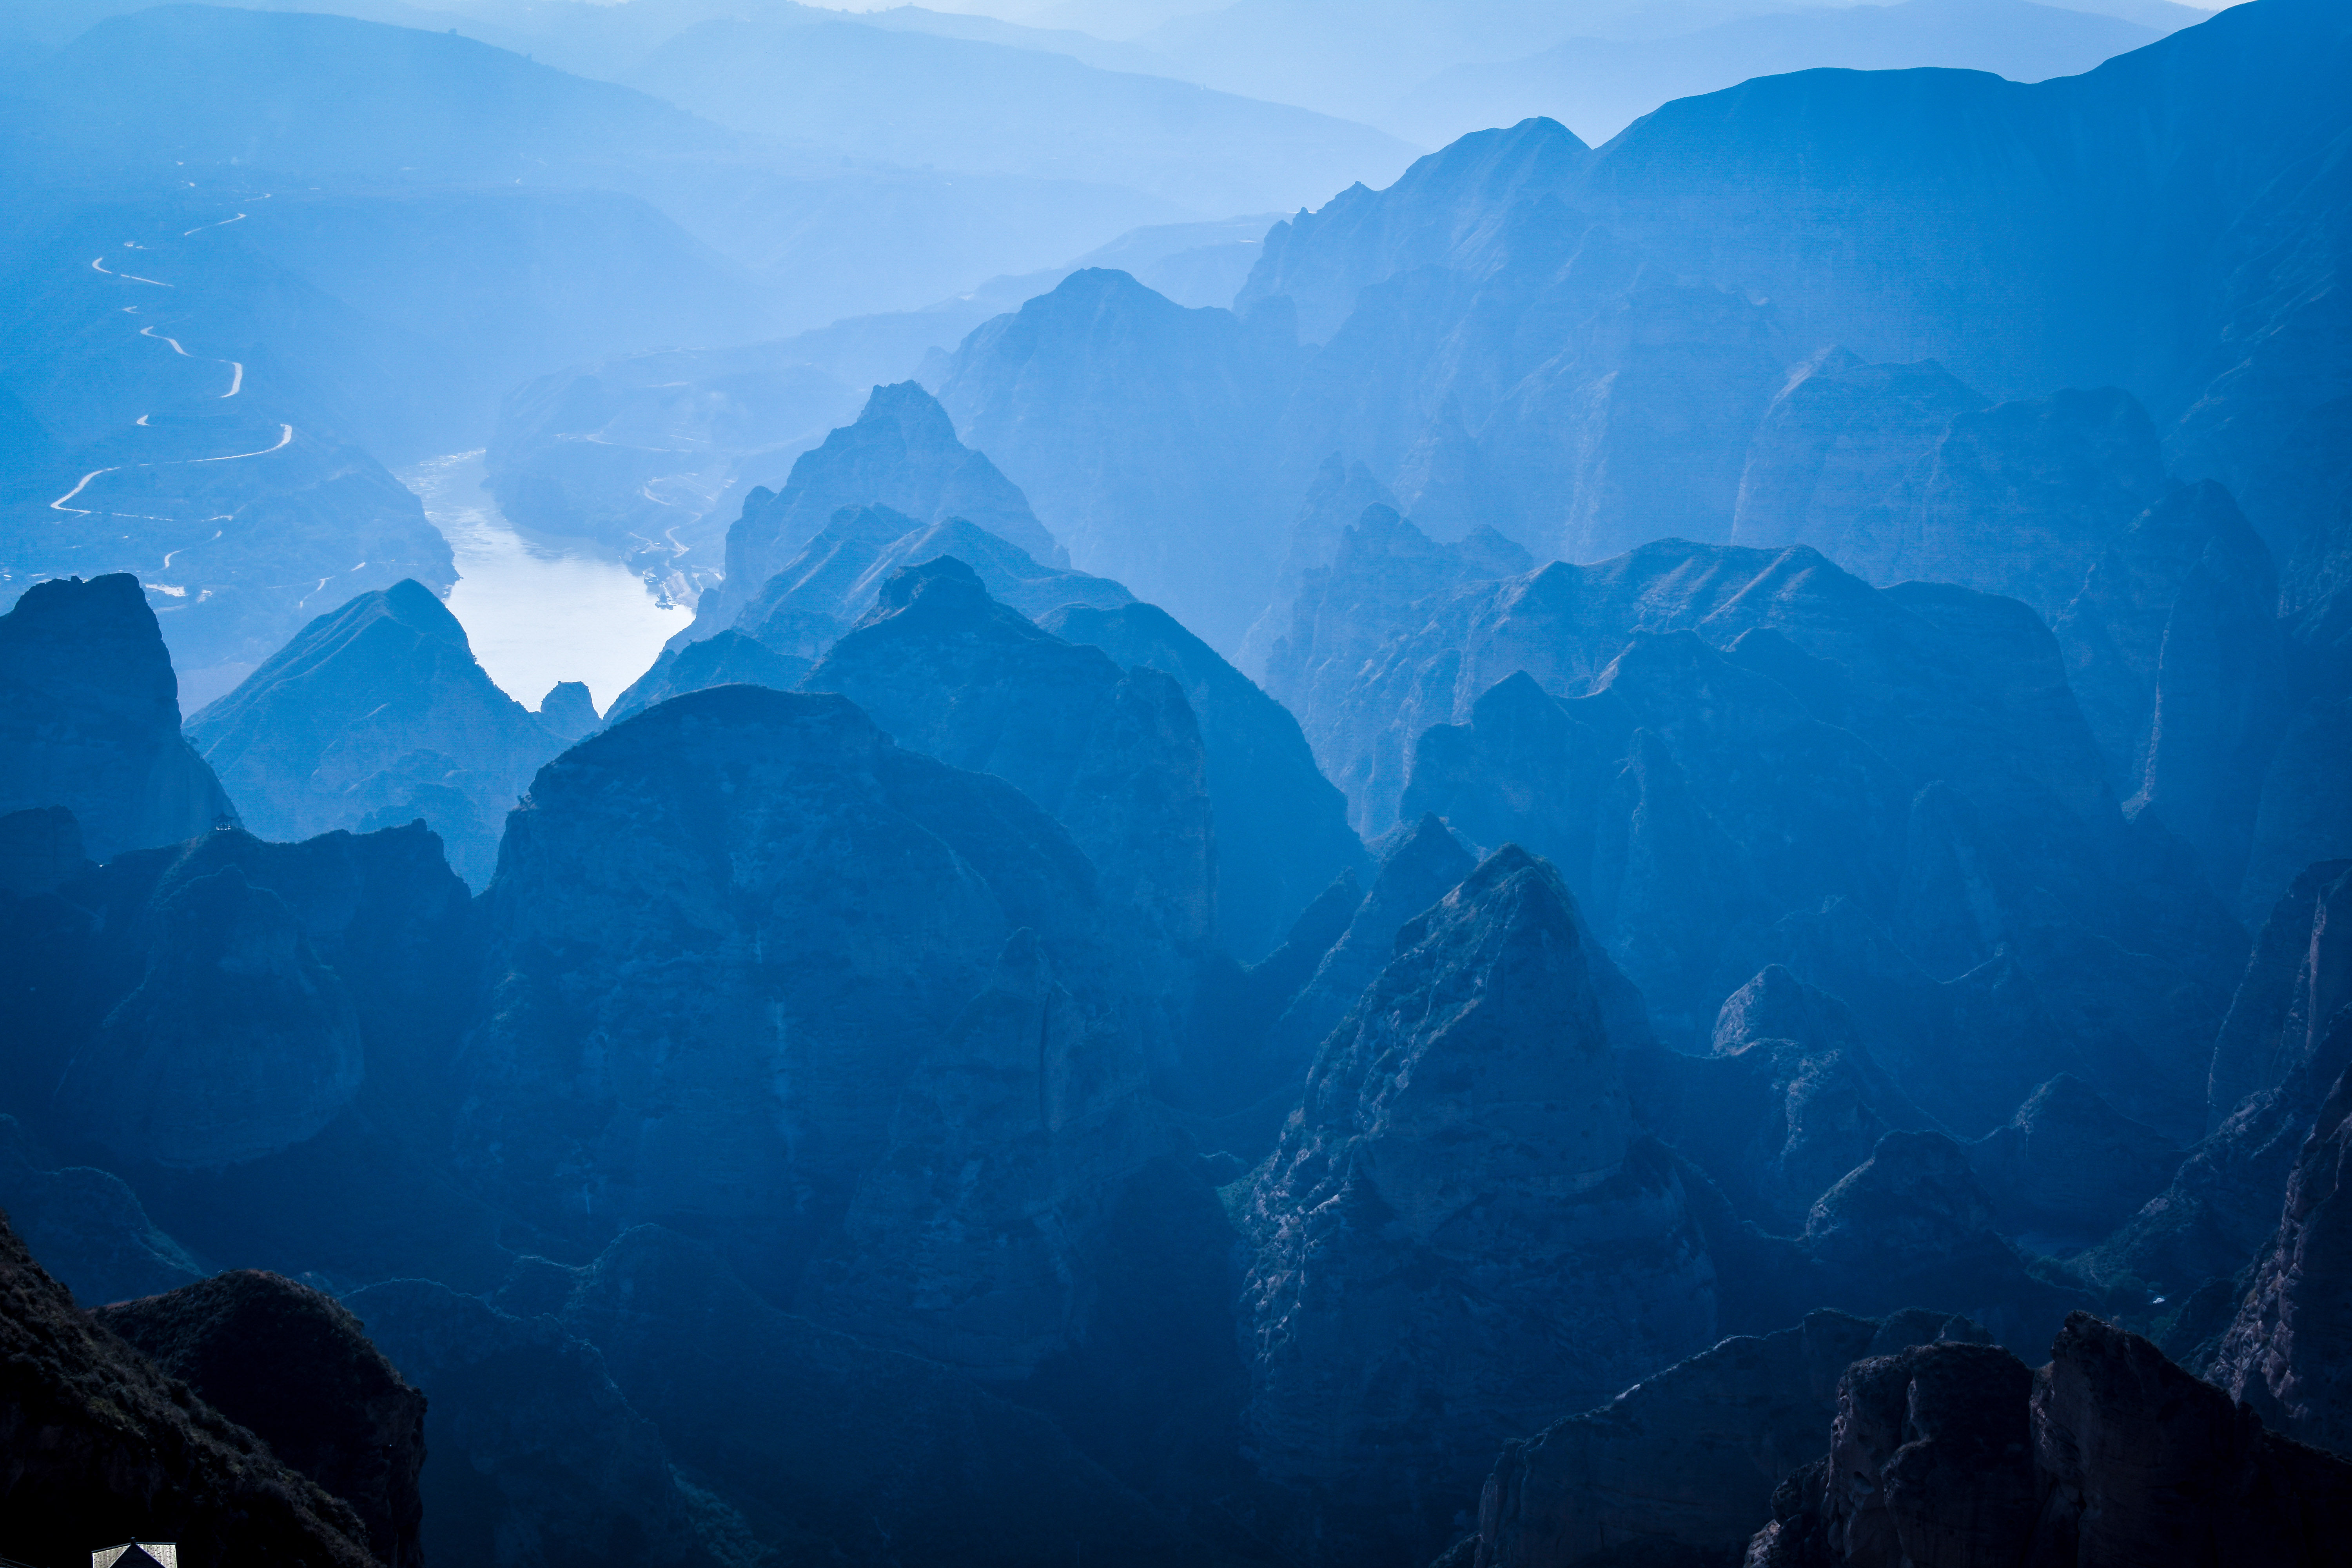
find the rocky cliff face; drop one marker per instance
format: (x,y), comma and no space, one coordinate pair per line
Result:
(2175,649)
(1382,568)
(1686,1461)
(103,1445)
(1877,854)
(1115,755)
(2284,1353)
(1419,867)
(2286,1040)
(750,913)
(829,586)
(89,719)
(1099,399)
(298,1370)
(375,715)
(87,1226)
(901,453)
(1338,495)
(1441,212)
(1282,828)
(1958,1454)
(1461,1229)
(1842,454)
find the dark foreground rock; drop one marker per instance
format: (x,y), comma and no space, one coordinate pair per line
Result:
(1682,1466)
(1960,1455)
(297,1369)
(96,1444)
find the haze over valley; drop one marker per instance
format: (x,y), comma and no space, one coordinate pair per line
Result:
(1525,783)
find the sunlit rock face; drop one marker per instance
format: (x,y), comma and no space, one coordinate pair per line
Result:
(723,936)
(1462,1232)
(89,719)
(375,715)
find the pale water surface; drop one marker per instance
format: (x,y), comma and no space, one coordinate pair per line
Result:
(538,612)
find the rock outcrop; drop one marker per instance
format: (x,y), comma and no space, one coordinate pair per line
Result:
(1462,1232)
(2023,497)
(89,719)
(568,711)
(101,1446)
(829,586)
(1683,1465)
(1958,1454)
(285,1107)
(1282,828)
(901,453)
(375,715)
(1115,755)
(296,1370)
(1420,866)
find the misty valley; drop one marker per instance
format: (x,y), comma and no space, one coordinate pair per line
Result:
(1511,783)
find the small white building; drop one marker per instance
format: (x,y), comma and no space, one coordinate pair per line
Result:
(138,1554)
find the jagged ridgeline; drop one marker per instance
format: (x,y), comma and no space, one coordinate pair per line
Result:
(1647,867)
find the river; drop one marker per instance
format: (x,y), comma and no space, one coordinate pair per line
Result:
(538,611)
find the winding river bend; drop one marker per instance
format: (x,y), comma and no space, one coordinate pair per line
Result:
(538,612)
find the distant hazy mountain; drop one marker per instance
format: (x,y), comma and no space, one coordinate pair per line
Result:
(247,95)
(916,100)
(1596,87)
